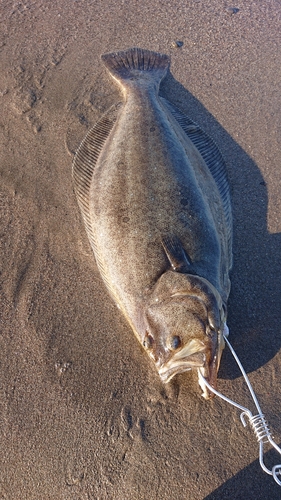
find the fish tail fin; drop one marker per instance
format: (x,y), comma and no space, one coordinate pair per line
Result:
(135,64)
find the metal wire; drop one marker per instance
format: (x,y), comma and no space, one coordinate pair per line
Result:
(259,426)
(257,422)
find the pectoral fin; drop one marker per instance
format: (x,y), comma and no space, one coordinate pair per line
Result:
(176,254)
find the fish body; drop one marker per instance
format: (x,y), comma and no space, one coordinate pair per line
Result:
(154,196)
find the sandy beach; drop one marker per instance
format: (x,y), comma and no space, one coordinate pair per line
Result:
(83,412)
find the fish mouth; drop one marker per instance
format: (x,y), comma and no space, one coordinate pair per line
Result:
(210,371)
(191,356)
(197,355)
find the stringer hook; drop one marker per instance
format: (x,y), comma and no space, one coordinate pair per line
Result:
(257,422)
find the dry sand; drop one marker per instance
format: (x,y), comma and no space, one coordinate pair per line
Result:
(83,412)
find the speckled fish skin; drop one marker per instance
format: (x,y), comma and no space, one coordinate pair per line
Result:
(158,219)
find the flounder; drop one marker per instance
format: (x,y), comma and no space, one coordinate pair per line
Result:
(153,191)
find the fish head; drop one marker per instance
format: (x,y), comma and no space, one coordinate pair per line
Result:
(185,331)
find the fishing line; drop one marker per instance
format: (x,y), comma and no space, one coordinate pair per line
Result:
(257,422)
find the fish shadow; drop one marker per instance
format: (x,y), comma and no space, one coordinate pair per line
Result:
(250,483)
(255,301)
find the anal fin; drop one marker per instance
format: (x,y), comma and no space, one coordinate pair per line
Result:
(213,159)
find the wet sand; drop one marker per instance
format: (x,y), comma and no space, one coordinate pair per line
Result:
(83,413)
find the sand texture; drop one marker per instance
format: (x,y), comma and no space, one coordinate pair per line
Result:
(83,413)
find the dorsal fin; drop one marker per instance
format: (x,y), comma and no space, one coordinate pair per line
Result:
(85,161)
(213,159)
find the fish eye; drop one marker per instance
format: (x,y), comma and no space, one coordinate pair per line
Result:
(148,341)
(175,342)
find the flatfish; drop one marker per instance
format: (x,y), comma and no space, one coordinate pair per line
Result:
(153,192)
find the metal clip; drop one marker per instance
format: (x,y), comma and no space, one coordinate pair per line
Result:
(257,422)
